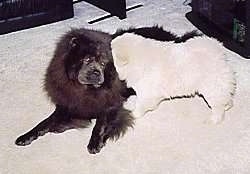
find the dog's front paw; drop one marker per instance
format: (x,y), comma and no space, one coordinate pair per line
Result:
(95,146)
(25,140)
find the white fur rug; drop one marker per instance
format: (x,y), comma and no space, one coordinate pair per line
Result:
(170,140)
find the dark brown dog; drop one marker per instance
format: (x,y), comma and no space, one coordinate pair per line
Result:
(81,80)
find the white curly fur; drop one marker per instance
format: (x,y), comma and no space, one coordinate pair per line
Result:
(159,70)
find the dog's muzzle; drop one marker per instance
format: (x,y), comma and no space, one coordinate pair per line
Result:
(92,77)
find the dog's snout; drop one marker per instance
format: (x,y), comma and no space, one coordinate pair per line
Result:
(94,75)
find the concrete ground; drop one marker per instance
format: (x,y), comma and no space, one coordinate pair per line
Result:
(171,140)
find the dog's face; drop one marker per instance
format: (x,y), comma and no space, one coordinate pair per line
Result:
(121,51)
(91,71)
(131,57)
(86,61)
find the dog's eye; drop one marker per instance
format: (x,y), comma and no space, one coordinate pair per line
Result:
(87,59)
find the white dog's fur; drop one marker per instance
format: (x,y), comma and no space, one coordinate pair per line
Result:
(160,70)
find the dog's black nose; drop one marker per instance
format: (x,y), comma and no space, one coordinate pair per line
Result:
(96,72)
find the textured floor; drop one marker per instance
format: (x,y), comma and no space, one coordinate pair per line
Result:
(170,140)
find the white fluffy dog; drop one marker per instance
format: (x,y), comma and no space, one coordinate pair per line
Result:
(159,70)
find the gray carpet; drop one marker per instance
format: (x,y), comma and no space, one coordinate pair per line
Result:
(171,140)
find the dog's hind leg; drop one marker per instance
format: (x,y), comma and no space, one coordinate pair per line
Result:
(218,108)
(110,125)
(219,97)
(217,115)
(229,105)
(218,105)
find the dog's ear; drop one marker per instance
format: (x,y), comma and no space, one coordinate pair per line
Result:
(119,53)
(71,70)
(120,60)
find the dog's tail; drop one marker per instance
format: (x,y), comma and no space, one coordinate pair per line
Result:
(121,123)
(187,36)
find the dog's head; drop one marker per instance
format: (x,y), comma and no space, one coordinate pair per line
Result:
(120,53)
(86,60)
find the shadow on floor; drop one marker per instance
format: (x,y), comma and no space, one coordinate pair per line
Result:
(114,7)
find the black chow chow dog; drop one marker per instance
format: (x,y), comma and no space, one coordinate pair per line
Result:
(82,82)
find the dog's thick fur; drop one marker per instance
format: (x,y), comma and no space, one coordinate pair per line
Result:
(157,33)
(196,66)
(79,94)
(83,84)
